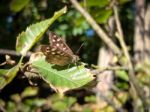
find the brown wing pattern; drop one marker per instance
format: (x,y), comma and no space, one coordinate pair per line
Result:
(55,56)
(58,52)
(59,42)
(57,60)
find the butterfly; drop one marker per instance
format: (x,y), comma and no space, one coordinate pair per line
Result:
(58,52)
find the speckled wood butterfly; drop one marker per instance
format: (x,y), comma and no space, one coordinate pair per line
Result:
(58,52)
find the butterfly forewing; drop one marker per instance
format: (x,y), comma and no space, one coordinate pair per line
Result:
(59,42)
(58,52)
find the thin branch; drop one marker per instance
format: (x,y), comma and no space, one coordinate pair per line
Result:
(103,69)
(132,78)
(110,67)
(96,27)
(13,53)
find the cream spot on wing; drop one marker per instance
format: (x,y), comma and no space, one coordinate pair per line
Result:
(62,54)
(58,52)
(54,40)
(53,49)
(53,53)
(64,48)
(58,39)
(57,45)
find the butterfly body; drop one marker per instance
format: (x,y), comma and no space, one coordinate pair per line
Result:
(58,52)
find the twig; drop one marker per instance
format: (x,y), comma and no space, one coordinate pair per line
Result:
(110,67)
(13,53)
(102,69)
(132,78)
(97,28)
(2,109)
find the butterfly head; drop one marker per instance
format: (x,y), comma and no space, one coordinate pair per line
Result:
(75,58)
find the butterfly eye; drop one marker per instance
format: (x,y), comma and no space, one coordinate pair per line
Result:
(54,40)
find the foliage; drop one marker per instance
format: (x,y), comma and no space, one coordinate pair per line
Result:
(63,77)
(34,32)
(48,87)
(17,5)
(7,76)
(74,77)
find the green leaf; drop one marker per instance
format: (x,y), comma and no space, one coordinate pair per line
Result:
(68,78)
(29,92)
(121,2)
(17,5)
(99,3)
(59,106)
(102,15)
(33,33)
(122,85)
(91,99)
(34,103)
(6,76)
(122,75)
(3,71)
(60,103)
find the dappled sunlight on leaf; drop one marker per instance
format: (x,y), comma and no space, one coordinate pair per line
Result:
(63,77)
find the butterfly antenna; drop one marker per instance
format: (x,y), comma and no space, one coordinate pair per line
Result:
(79,48)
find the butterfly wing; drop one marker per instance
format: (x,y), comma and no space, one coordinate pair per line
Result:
(58,52)
(59,43)
(55,55)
